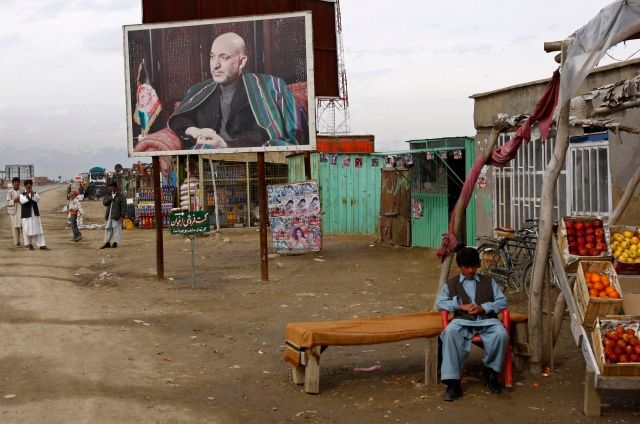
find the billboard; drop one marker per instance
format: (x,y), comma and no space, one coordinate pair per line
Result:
(241,84)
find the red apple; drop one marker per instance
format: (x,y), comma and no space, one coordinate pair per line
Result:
(589,245)
(571,231)
(582,251)
(601,247)
(634,358)
(569,223)
(600,239)
(609,344)
(590,238)
(580,240)
(597,223)
(623,358)
(589,230)
(618,350)
(637,349)
(579,226)
(629,350)
(594,252)
(598,231)
(614,358)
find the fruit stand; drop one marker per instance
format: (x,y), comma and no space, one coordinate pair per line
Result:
(600,373)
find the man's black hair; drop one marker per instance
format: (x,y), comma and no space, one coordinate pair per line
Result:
(28,182)
(113,184)
(468,256)
(14,179)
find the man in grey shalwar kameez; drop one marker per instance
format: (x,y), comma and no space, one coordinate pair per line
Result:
(14,208)
(475,301)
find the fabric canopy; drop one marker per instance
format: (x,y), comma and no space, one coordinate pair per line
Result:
(614,24)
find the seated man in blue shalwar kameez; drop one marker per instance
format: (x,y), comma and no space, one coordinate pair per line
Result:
(475,301)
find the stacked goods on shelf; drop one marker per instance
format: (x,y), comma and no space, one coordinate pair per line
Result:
(232,193)
(189,195)
(616,346)
(625,244)
(145,208)
(597,291)
(583,238)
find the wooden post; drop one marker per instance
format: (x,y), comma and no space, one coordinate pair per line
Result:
(157,197)
(262,203)
(544,236)
(558,317)
(591,394)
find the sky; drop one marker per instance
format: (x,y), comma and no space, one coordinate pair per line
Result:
(411,67)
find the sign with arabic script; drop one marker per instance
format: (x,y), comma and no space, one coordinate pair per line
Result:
(186,222)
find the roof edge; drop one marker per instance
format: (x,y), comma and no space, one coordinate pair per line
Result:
(545,80)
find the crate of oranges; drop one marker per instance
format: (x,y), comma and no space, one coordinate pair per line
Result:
(597,291)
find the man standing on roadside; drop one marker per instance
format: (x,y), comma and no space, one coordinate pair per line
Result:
(116,210)
(14,208)
(30,215)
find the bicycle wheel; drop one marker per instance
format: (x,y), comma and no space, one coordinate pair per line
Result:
(525,282)
(492,258)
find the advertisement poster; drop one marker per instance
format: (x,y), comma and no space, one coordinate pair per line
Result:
(242,84)
(295,217)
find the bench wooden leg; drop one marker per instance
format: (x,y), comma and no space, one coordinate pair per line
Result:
(431,361)
(591,394)
(297,374)
(312,372)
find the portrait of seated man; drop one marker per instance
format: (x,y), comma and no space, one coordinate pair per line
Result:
(236,108)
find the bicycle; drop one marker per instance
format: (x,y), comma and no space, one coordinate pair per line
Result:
(506,258)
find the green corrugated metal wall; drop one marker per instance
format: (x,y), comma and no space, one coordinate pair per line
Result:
(350,196)
(427,231)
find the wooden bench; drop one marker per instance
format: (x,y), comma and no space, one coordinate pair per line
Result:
(305,341)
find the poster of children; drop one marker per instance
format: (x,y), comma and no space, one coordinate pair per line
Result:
(295,217)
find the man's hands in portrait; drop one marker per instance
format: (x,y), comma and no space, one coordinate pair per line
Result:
(206,136)
(472,308)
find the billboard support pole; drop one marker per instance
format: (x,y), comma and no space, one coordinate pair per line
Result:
(157,197)
(262,204)
(307,165)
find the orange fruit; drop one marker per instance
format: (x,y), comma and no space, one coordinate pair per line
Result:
(602,294)
(593,293)
(610,290)
(605,281)
(598,286)
(615,295)
(595,277)
(587,276)
(589,285)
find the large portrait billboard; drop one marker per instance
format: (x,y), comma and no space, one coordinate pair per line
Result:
(220,86)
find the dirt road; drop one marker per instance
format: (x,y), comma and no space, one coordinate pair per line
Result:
(89,336)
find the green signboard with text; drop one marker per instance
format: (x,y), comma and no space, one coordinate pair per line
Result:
(186,222)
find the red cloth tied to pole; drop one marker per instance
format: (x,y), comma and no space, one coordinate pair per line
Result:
(542,114)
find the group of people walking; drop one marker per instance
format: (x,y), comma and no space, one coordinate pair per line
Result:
(26,227)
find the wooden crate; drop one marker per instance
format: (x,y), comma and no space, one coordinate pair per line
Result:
(590,308)
(571,261)
(629,369)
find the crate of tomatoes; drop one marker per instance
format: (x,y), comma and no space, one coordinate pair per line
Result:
(616,345)
(583,238)
(597,291)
